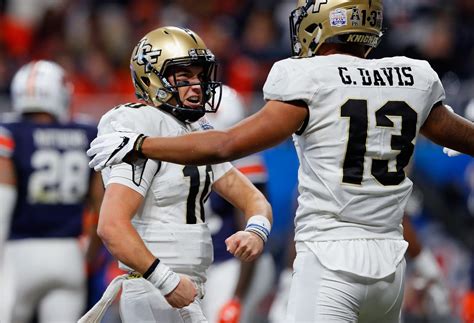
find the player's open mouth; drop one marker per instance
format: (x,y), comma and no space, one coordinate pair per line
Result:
(193,102)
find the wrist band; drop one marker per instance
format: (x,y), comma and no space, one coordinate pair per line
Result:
(259,225)
(138,146)
(164,279)
(151,268)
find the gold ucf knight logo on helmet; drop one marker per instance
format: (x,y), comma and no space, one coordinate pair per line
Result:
(145,55)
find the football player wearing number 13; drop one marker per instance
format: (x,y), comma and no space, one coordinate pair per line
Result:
(152,218)
(355,122)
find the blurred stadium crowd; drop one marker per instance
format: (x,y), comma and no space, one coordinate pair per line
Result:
(93,40)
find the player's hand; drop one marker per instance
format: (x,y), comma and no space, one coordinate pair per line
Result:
(244,245)
(183,294)
(230,312)
(113,148)
(450,152)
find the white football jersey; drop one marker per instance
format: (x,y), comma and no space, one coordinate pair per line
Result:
(171,219)
(364,118)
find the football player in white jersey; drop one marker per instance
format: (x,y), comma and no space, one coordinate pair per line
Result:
(152,218)
(355,122)
(45,186)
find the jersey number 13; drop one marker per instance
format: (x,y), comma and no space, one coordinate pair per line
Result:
(353,166)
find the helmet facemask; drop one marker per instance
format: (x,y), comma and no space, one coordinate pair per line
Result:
(209,98)
(296,17)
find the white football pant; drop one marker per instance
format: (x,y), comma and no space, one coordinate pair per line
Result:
(48,275)
(321,295)
(142,302)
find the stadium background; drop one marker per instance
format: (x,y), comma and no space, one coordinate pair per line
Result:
(93,41)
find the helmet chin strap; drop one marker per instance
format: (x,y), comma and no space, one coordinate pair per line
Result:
(186,116)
